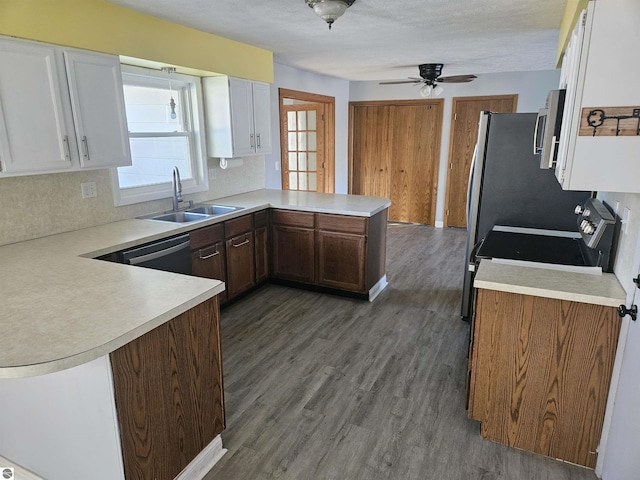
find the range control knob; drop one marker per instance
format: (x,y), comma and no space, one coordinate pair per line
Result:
(578,209)
(586,212)
(589,229)
(583,225)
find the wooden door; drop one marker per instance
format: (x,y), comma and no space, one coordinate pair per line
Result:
(371,144)
(395,151)
(302,147)
(464,134)
(416,154)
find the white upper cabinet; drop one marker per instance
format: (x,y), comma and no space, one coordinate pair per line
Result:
(97,103)
(34,119)
(238,119)
(600,69)
(60,109)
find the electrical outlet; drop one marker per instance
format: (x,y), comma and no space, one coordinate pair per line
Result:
(89,190)
(212,174)
(616,209)
(625,219)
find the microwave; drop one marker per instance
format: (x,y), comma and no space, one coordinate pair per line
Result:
(546,135)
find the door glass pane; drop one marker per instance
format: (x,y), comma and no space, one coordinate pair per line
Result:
(303,181)
(312,161)
(313,182)
(312,141)
(292,161)
(292,141)
(312,120)
(302,120)
(293,180)
(302,141)
(302,161)
(291,121)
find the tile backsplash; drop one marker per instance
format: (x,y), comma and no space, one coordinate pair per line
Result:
(38,205)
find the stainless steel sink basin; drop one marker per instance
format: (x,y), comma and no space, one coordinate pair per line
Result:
(178,217)
(213,210)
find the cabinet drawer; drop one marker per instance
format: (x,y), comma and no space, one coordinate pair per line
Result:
(342,223)
(238,225)
(293,219)
(260,219)
(206,236)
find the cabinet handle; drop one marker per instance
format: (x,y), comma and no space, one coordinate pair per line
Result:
(65,143)
(208,256)
(258,137)
(251,140)
(246,240)
(85,147)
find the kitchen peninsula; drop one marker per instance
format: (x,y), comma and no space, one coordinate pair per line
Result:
(81,337)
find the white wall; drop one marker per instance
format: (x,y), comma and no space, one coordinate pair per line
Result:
(532,89)
(303,81)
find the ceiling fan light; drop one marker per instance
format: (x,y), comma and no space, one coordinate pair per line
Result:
(425,90)
(330,10)
(437,90)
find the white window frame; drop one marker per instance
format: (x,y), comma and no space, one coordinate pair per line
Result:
(194,113)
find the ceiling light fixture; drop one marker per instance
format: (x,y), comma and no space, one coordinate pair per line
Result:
(430,88)
(330,10)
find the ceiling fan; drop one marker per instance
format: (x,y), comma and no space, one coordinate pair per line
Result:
(430,73)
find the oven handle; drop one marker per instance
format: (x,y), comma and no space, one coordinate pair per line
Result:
(159,254)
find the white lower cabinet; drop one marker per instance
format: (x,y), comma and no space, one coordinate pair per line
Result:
(60,109)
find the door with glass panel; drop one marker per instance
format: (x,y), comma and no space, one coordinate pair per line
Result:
(302,147)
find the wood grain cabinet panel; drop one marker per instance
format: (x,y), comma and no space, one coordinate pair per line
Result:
(293,253)
(169,394)
(540,373)
(261,254)
(341,261)
(208,257)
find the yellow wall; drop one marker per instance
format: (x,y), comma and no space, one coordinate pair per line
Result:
(571,12)
(104,27)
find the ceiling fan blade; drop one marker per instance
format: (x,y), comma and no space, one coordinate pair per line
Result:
(456,79)
(400,81)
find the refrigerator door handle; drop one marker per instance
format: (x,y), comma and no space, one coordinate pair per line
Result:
(471,167)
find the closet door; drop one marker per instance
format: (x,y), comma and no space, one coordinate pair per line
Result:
(395,152)
(372,144)
(416,154)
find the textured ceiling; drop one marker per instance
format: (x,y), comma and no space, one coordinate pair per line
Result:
(382,39)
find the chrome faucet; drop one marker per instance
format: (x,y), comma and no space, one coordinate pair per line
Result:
(177,188)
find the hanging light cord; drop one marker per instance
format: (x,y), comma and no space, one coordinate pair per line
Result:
(172,103)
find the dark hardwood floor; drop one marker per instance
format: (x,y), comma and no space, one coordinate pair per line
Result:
(324,387)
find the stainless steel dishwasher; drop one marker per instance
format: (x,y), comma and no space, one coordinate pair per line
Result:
(171,255)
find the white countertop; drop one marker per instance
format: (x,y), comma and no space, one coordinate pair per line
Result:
(62,308)
(603,289)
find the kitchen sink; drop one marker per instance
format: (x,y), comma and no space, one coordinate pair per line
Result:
(213,209)
(178,217)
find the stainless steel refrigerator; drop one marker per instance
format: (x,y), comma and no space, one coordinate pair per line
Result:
(507,187)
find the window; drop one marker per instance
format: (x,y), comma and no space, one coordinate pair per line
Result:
(162,134)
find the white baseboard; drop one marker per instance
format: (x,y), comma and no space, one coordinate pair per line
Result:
(204,461)
(439,224)
(377,288)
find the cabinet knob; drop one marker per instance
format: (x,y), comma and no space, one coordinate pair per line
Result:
(632,311)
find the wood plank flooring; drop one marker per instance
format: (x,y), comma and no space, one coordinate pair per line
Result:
(324,387)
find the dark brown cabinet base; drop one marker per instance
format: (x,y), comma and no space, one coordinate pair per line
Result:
(168,393)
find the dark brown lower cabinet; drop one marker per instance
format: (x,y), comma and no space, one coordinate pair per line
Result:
(262,254)
(240,264)
(341,260)
(293,253)
(540,373)
(168,393)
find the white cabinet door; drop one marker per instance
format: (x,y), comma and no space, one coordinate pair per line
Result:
(34,119)
(97,103)
(262,116)
(241,117)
